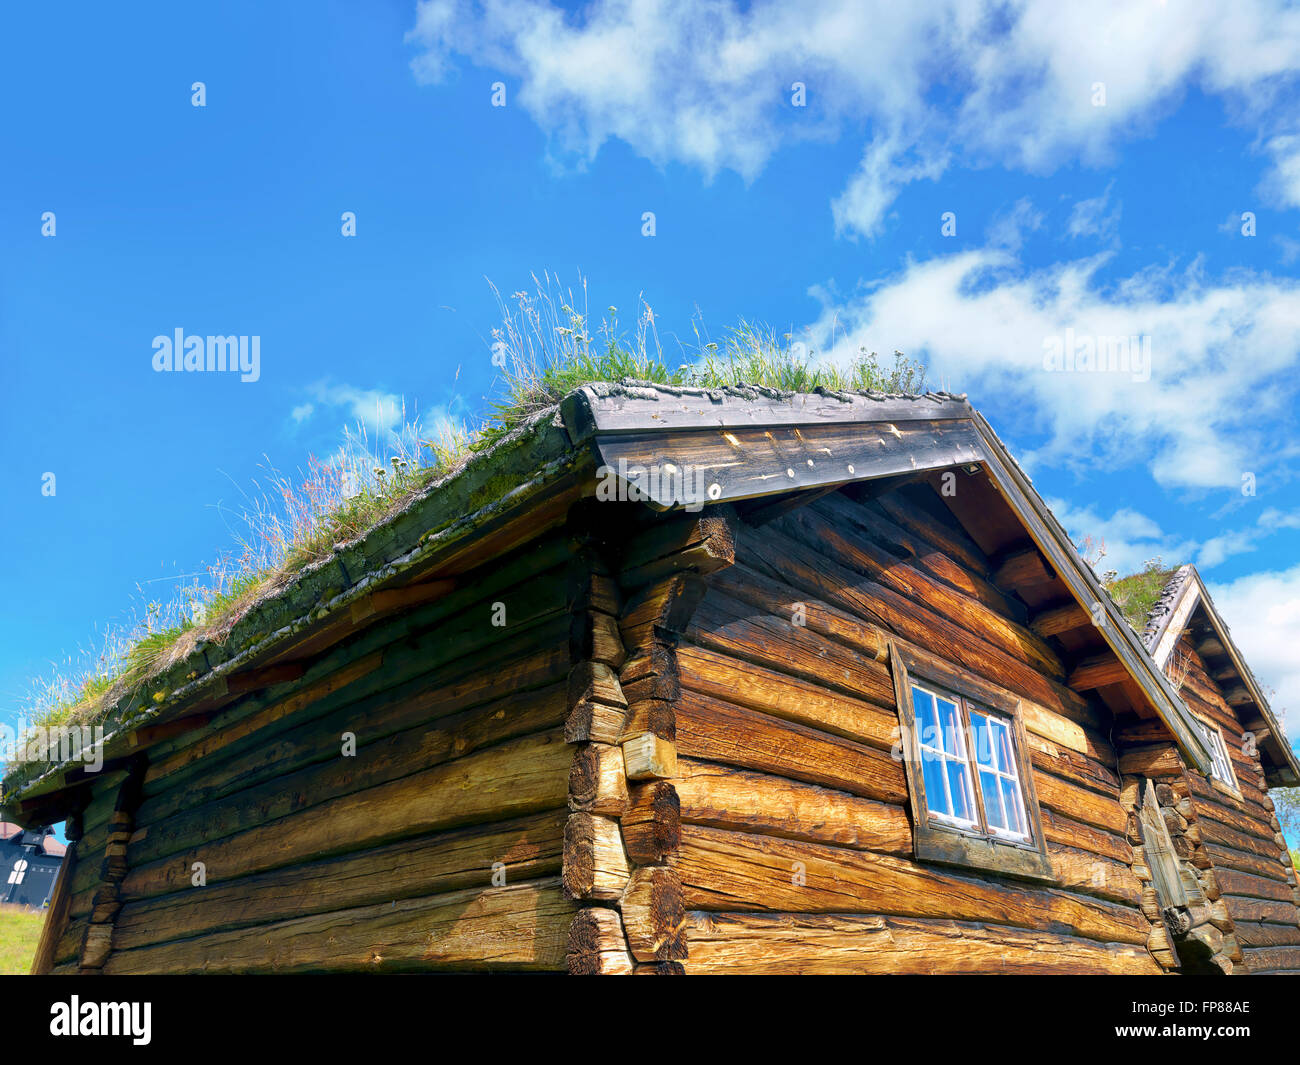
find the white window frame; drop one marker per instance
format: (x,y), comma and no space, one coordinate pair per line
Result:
(967,755)
(1000,775)
(960,756)
(1221,768)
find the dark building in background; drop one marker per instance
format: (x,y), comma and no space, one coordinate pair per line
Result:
(29,864)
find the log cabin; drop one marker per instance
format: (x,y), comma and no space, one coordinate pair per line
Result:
(681,681)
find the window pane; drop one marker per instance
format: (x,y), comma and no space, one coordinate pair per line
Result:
(1005,762)
(935,794)
(959,790)
(979,724)
(992,800)
(923,705)
(1014,808)
(949,722)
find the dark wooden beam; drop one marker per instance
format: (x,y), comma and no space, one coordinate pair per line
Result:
(387,600)
(1209,647)
(1024,566)
(761,511)
(1058,619)
(1096,672)
(252,679)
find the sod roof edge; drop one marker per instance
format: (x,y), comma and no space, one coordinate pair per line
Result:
(517,469)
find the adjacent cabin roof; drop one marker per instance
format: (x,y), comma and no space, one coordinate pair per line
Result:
(1185,606)
(43,842)
(750,443)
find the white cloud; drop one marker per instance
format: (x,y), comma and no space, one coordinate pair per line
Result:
(1131,539)
(1263,612)
(1091,218)
(1283,183)
(1008,229)
(707,83)
(376,411)
(1222,367)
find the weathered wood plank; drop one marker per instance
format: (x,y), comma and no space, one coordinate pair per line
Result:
(729,871)
(519,926)
(482,856)
(515,778)
(722,797)
(789,943)
(711,730)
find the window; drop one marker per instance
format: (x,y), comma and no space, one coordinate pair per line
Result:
(957,740)
(1221,765)
(972,795)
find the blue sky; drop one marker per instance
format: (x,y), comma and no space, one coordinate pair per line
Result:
(1118,218)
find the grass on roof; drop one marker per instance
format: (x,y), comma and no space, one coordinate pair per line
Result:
(1136,595)
(545,347)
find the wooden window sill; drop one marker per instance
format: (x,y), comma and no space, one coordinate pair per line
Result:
(951,846)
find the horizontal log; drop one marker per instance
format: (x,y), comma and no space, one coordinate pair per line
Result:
(746,585)
(1232,882)
(1246,909)
(701,543)
(506,852)
(729,871)
(791,698)
(1259,934)
(1272,959)
(722,797)
(1068,832)
(1159,760)
(1097,672)
(920,512)
(924,553)
(711,730)
(1245,862)
(1080,804)
(519,777)
(1022,567)
(521,926)
(805,569)
(1091,874)
(447,633)
(957,605)
(1058,619)
(509,672)
(827,944)
(373,765)
(732,627)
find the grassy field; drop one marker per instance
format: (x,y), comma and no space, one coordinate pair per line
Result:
(19,931)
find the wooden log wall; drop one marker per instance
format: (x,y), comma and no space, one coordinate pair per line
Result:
(626,822)
(405,805)
(795,849)
(1199,938)
(1236,839)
